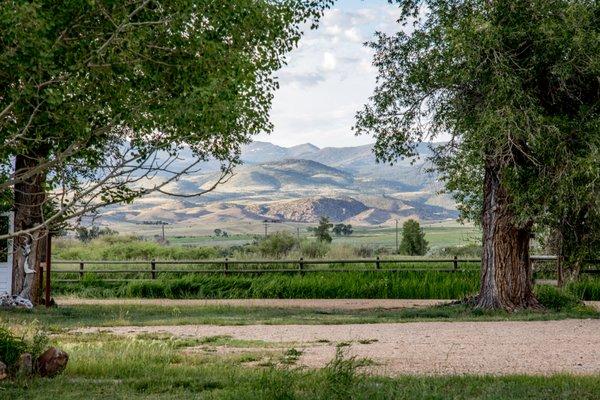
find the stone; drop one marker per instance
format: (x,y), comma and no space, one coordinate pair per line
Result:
(52,362)
(3,371)
(25,365)
(15,302)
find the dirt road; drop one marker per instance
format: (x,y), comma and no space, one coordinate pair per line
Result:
(505,347)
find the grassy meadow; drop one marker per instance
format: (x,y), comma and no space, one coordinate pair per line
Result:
(159,366)
(356,281)
(145,367)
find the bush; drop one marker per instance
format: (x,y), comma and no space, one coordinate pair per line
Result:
(586,288)
(11,347)
(363,251)
(32,340)
(130,248)
(277,244)
(314,248)
(556,299)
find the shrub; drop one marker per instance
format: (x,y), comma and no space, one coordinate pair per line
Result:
(364,251)
(11,347)
(32,340)
(314,248)
(586,288)
(555,298)
(277,244)
(130,248)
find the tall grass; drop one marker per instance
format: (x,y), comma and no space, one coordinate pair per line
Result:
(110,367)
(399,285)
(129,248)
(586,288)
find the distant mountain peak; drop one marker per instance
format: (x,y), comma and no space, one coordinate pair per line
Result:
(305,146)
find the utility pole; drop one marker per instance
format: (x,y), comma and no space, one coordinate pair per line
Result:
(266,227)
(397,248)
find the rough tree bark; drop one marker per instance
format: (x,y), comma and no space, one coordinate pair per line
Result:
(29,198)
(506,274)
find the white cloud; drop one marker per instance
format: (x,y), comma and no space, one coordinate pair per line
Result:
(353,35)
(329,61)
(329,77)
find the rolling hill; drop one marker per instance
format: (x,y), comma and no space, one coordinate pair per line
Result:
(300,184)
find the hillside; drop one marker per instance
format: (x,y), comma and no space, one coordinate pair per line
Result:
(300,184)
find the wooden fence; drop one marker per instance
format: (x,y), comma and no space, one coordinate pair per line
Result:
(152,269)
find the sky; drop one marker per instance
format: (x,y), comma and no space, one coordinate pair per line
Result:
(329,77)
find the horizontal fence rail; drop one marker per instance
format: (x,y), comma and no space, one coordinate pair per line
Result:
(153,268)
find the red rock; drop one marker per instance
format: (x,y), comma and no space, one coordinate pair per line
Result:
(52,362)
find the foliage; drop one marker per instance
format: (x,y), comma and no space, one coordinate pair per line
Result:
(277,244)
(413,239)
(129,248)
(470,250)
(586,288)
(32,340)
(154,367)
(11,347)
(342,229)
(556,299)
(514,83)
(322,230)
(314,248)
(364,251)
(355,285)
(100,97)
(87,234)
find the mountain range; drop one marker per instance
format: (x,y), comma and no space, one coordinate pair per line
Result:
(300,184)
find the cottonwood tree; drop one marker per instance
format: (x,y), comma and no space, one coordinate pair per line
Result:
(98,99)
(515,84)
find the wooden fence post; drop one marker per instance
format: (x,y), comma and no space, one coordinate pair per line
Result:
(455,263)
(153,268)
(377,264)
(225,266)
(301,264)
(80,270)
(559,271)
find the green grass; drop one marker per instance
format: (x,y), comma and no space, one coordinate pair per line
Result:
(109,367)
(123,315)
(327,285)
(205,247)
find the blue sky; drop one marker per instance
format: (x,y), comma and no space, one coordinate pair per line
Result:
(329,76)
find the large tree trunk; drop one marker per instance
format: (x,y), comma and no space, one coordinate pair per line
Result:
(506,275)
(29,199)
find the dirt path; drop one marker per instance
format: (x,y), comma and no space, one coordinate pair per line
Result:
(537,347)
(332,304)
(339,304)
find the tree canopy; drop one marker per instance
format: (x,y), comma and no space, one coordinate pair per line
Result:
(512,83)
(413,239)
(322,230)
(512,88)
(99,97)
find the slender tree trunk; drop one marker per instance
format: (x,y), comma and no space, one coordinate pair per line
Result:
(506,275)
(29,198)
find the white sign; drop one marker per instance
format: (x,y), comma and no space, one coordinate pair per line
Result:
(6,253)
